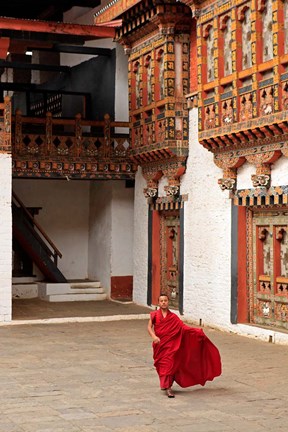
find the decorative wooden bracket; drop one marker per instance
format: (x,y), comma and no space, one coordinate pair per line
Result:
(173,172)
(262,162)
(152,178)
(229,166)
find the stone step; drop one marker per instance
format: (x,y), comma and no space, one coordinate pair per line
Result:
(24,290)
(75,297)
(71,291)
(85,284)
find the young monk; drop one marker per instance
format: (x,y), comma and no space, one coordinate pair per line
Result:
(181,353)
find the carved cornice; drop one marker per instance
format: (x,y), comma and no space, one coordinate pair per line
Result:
(263,158)
(244,135)
(142,20)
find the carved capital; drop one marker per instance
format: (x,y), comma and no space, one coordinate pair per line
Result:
(229,166)
(227,183)
(152,177)
(173,187)
(150,192)
(261,180)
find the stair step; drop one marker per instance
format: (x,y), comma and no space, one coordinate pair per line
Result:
(80,291)
(85,284)
(75,297)
(24,290)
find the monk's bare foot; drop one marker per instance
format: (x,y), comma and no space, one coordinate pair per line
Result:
(170,393)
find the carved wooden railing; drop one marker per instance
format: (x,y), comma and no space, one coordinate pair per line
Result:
(75,147)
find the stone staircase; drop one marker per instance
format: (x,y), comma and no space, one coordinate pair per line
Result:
(71,291)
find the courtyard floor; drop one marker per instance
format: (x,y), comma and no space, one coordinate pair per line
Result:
(99,377)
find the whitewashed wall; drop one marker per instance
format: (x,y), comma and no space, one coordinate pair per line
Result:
(64,216)
(140,241)
(100,231)
(279,172)
(207,237)
(6,239)
(244,176)
(122,230)
(110,231)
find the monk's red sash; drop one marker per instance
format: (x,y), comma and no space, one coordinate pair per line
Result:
(184,352)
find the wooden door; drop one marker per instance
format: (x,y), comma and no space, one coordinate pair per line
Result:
(169,255)
(270,269)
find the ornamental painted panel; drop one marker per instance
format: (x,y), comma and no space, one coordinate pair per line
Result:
(269,278)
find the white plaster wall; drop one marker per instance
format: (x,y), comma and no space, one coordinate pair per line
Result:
(207,234)
(279,172)
(100,231)
(6,239)
(140,241)
(161,184)
(122,230)
(64,216)
(244,174)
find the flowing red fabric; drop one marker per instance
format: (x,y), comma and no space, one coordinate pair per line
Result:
(184,352)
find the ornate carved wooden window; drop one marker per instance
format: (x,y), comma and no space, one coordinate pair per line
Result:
(246,111)
(210,117)
(226,27)
(267,100)
(160,60)
(209,36)
(136,70)
(227,112)
(267,35)
(148,65)
(246,38)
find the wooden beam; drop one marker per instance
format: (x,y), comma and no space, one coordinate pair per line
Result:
(41,67)
(73,49)
(57,28)
(4,47)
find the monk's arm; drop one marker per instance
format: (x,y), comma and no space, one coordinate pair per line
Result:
(151,332)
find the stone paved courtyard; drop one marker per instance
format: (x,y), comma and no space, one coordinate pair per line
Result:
(99,377)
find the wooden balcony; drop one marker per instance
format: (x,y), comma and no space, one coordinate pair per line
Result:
(49,147)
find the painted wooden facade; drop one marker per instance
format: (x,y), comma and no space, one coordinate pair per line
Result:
(234,58)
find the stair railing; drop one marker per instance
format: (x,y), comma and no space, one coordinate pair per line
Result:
(56,253)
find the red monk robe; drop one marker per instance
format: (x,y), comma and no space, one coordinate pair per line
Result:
(184,354)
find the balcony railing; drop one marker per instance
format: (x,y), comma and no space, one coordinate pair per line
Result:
(50,146)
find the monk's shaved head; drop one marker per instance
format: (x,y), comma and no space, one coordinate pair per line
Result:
(163,295)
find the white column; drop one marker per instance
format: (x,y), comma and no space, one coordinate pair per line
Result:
(5,238)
